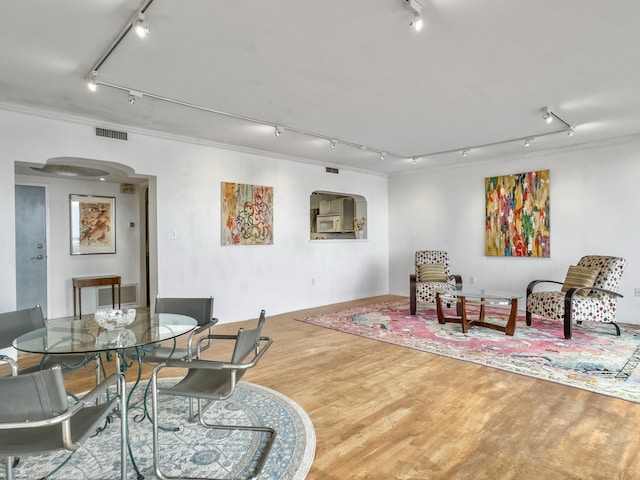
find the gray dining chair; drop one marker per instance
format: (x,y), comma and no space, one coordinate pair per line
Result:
(18,322)
(36,416)
(199,308)
(208,381)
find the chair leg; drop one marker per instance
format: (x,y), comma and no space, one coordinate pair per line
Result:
(156,442)
(528,318)
(617,328)
(567,323)
(412,295)
(10,462)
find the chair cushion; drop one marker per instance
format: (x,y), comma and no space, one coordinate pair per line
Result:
(432,272)
(580,277)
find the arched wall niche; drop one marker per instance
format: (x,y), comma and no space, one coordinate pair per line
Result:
(337,216)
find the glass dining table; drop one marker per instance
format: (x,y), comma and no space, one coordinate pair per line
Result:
(77,337)
(85,336)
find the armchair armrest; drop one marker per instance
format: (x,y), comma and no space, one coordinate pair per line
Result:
(205,327)
(12,363)
(572,291)
(532,285)
(219,365)
(457,279)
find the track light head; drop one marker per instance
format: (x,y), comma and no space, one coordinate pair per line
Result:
(141,28)
(527,141)
(547,115)
(413,161)
(570,132)
(332,144)
(417,22)
(91,82)
(277,131)
(132,100)
(382,155)
(464,153)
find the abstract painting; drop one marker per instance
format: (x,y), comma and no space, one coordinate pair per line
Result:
(517,215)
(93,224)
(247,214)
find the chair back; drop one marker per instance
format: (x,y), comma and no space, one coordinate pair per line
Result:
(15,323)
(431,257)
(610,272)
(199,308)
(247,341)
(33,396)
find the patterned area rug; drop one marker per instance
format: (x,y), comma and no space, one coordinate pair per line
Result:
(195,450)
(595,359)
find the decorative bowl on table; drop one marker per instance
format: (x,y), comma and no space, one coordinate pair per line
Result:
(114,318)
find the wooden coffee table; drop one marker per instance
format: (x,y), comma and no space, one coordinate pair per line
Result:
(481,298)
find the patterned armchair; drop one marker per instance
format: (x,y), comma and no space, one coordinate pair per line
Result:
(585,299)
(431,276)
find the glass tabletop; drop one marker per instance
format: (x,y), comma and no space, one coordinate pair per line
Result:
(482,294)
(70,335)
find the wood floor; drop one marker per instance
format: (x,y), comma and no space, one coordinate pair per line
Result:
(385,412)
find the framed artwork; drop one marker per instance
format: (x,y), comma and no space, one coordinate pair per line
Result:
(247,214)
(93,224)
(517,215)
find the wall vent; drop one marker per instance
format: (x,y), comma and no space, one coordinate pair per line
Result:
(127,188)
(105,132)
(332,170)
(129,296)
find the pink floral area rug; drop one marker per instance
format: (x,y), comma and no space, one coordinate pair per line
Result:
(595,359)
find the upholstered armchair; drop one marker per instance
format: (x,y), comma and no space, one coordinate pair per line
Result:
(431,276)
(589,293)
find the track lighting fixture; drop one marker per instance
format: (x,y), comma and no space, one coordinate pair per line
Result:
(132,100)
(277,131)
(464,153)
(332,144)
(413,161)
(382,155)
(527,141)
(91,82)
(417,22)
(570,132)
(547,115)
(141,28)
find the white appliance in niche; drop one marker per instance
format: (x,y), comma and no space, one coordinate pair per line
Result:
(336,215)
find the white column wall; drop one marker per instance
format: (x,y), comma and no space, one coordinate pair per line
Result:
(593,196)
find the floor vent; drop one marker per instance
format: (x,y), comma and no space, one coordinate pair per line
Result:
(105,132)
(129,296)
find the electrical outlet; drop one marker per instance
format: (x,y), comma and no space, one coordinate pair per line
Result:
(637,292)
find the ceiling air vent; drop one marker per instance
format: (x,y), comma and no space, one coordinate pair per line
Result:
(105,132)
(332,170)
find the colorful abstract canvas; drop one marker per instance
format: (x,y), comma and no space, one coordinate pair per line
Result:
(247,214)
(517,215)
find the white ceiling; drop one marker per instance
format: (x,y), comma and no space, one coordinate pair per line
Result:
(480,72)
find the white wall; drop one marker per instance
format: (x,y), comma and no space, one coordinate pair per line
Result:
(593,196)
(243,279)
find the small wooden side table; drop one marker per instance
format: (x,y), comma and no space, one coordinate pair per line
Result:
(79,282)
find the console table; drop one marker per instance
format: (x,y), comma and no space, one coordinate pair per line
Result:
(79,282)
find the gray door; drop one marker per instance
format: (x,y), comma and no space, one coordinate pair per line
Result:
(31,247)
